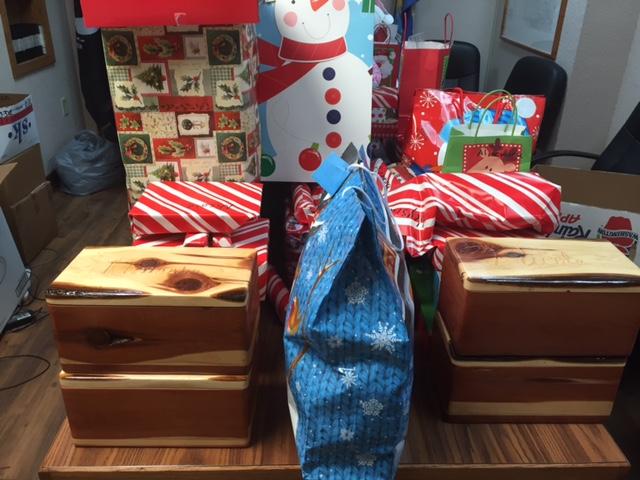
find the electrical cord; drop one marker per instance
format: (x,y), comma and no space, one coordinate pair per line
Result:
(36,316)
(30,379)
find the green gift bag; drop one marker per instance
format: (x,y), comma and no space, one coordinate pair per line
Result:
(488,147)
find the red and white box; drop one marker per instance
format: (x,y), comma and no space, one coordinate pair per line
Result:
(498,202)
(203,214)
(195,207)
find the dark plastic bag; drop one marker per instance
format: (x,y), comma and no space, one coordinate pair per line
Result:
(88,164)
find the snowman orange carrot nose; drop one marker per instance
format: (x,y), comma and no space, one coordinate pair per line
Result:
(318,4)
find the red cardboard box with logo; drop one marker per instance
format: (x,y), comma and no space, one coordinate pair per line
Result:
(598,205)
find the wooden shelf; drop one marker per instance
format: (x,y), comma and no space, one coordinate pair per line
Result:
(435,450)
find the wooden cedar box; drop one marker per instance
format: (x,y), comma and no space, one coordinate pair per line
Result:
(516,390)
(538,297)
(143,410)
(170,310)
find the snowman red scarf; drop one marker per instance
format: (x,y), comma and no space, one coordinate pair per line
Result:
(292,61)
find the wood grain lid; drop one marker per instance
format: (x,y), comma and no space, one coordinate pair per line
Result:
(194,277)
(503,264)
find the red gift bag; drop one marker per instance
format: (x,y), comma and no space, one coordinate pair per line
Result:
(387,56)
(424,65)
(435,112)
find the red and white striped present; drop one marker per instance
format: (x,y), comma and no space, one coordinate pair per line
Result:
(384,112)
(306,200)
(195,207)
(385,97)
(442,234)
(278,293)
(254,234)
(484,201)
(172,240)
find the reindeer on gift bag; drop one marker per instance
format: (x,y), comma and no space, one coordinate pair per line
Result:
(497,158)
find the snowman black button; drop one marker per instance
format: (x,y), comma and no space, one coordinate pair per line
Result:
(329,74)
(334,117)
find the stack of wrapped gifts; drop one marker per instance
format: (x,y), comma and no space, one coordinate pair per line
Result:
(203,214)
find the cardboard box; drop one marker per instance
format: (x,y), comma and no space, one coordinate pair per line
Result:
(20,175)
(33,221)
(598,205)
(25,198)
(18,130)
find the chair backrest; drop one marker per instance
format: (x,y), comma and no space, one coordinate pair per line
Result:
(463,70)
(622,155)
(540,76)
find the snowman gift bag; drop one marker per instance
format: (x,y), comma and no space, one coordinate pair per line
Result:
(349,338)
(314,86)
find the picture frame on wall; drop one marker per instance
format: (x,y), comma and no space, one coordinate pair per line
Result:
(534,26)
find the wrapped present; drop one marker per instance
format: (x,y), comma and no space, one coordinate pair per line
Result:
(185,102)
(304,207)
(253,234)
(192,207)
(277,292)
(306,201)
(482,201)
(384,112)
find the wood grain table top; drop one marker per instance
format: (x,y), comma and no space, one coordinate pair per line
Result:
(434,450)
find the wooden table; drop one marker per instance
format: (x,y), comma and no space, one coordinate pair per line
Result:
(435,450)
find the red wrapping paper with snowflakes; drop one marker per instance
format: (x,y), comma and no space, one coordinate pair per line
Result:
(436,112)
(253,234)
(498,202)
(195,207)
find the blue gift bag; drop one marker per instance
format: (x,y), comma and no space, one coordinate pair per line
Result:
(349,339)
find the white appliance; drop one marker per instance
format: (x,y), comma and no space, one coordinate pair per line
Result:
(14,279)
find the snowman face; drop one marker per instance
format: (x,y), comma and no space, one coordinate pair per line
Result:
(312,21)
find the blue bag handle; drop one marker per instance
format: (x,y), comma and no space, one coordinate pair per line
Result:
(387,221)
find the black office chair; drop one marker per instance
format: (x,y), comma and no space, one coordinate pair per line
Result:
(622,155)
(463,70)
(540,76)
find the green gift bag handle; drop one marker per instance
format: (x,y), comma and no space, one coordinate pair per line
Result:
(492,103)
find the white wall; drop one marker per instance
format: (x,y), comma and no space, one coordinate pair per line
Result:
(504,55)
(474,23)
(629,94)
(48,85)
(596,77)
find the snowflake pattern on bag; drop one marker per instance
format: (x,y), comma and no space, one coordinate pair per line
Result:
(348,343)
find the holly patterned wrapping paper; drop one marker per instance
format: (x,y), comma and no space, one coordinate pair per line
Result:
(185,103)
